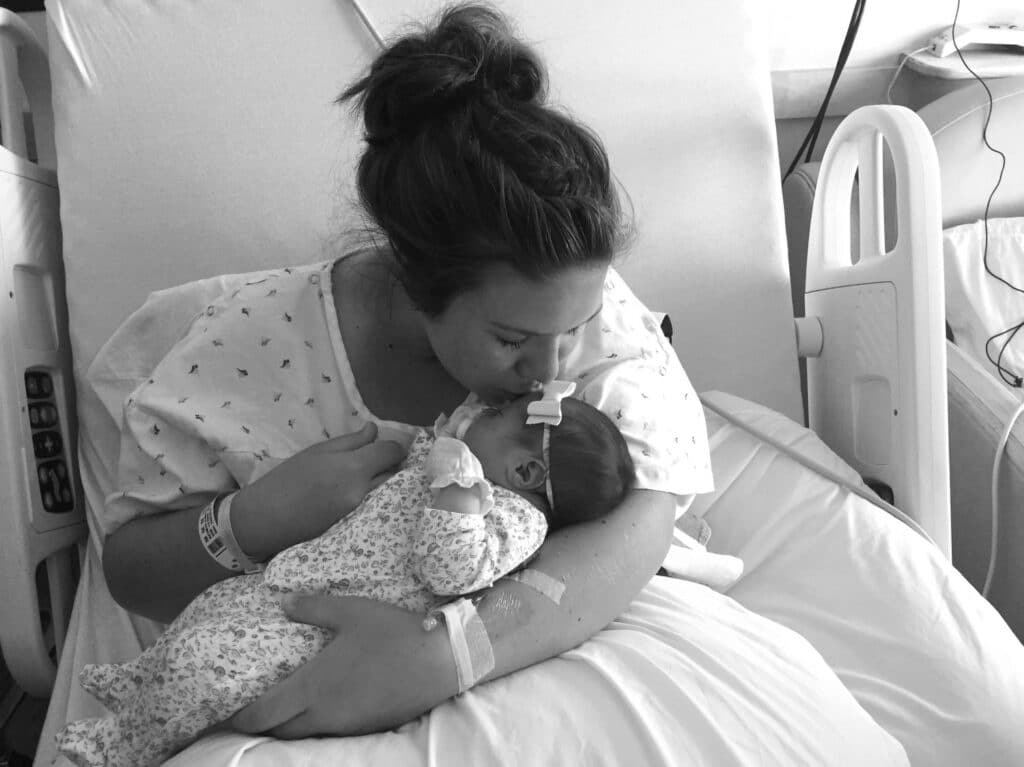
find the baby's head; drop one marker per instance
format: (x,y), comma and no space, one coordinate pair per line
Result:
(588,461)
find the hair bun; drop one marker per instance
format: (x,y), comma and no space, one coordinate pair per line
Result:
(485,57)
(468,56)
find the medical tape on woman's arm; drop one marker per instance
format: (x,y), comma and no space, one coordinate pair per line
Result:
(540,582)
(471,645)
(467,634)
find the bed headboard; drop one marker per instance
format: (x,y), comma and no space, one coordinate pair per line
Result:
(199,138)
(969,170)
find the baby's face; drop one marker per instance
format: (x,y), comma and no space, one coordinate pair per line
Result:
(494,431)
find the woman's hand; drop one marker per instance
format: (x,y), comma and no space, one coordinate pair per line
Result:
(156,564)
(309,492)
(380,671)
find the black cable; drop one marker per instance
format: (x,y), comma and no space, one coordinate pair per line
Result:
(844,54)
(811,138)
(1005,373)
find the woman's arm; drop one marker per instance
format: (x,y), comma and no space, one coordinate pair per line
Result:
(402,671)
(458,549)
(156,564)
(603,563)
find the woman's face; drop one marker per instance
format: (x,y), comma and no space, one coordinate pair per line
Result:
(509,335)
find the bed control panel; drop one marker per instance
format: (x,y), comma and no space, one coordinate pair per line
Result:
(54,478)
(42,509)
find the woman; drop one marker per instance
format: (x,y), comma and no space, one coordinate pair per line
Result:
(498,220)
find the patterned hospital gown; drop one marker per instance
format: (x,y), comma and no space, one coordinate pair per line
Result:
(262,373)
(233,642)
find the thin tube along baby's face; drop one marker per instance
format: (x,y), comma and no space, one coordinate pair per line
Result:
(508,449)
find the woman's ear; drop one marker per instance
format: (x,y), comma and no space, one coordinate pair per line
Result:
(525,471)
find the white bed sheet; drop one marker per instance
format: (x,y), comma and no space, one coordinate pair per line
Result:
(920,650)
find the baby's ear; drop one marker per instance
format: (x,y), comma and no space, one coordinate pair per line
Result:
(526,472)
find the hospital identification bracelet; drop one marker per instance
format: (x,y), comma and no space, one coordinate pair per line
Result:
(219,539)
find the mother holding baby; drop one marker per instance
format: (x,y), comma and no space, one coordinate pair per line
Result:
(496,221)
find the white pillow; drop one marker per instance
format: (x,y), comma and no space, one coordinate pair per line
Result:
(977,304)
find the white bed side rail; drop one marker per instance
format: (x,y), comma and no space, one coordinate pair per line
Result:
(877,388)
(41,513)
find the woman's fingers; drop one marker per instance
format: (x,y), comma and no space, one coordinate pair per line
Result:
(353,440)
(279,705)
(380,479)
(301,726)
(334,613)
(383,455)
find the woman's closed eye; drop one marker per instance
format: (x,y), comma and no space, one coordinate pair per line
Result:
(516,344)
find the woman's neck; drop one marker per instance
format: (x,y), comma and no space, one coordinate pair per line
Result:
(384,303)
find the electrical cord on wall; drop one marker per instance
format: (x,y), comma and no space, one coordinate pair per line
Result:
(807,146)
(1007,375)
(899,68)
(994,543)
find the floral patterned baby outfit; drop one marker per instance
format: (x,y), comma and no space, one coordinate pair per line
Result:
(233,642)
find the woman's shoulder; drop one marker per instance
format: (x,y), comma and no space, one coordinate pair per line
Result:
(625,366)
(624,333)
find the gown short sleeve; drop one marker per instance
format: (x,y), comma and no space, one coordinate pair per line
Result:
(252,381)
(625,367)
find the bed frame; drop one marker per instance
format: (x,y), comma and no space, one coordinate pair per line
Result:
(878,393)
(979,405)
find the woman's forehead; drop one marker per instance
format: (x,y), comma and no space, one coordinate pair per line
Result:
(552,304)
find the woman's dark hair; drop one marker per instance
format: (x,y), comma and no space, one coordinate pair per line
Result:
(589,464)
(466,166)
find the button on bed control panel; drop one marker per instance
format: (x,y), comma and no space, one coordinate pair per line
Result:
(52,473)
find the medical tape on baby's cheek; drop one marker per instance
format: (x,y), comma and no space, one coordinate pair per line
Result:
(538,581)
(471,645)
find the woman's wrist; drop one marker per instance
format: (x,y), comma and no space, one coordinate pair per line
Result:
(438,657)
(254,537)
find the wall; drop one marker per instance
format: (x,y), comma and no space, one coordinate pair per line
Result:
(804,37)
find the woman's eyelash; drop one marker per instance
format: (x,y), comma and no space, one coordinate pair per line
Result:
(517,344)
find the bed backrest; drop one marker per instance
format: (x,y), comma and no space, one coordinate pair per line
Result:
(970,170)
(198,138)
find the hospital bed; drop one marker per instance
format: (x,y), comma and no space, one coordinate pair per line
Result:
(200,139)
(981,407)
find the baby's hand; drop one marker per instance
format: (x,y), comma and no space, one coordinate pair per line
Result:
(459,500)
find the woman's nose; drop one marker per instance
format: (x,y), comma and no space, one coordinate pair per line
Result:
(541,363)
